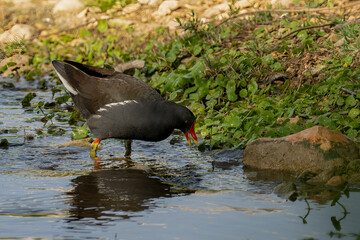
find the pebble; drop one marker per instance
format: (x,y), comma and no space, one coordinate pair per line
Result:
(17,32)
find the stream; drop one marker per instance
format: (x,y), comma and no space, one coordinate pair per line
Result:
(166,191)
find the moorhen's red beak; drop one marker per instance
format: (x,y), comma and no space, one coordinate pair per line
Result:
(193,134)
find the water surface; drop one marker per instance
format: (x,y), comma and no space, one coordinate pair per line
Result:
(165,192)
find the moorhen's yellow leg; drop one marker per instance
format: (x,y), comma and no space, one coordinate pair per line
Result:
(94,146)
(128,148)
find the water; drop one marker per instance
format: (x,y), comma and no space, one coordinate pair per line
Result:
(54,192)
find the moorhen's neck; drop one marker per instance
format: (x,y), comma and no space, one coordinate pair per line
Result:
(176,116)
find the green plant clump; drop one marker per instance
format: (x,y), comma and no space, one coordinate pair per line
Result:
(265,76)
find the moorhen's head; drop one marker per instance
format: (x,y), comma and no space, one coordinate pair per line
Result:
(185,121)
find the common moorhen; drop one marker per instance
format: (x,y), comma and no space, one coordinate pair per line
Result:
(117,105)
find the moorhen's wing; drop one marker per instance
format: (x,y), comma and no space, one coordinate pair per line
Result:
(92,87)
(150,121)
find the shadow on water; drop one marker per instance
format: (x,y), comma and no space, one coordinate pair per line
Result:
(104,194)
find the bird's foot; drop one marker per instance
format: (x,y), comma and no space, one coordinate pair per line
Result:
(93,149)
(128,148)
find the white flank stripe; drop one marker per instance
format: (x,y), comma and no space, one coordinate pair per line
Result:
(110,105)
(67,85)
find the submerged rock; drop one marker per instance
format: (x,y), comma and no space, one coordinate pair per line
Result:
(226,159)
(15,64)
(286,190)
(317,150)
(85,142)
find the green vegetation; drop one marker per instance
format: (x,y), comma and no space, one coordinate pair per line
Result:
(243,79)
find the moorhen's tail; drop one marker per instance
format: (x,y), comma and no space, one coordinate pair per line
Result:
(64,71)
(91,70)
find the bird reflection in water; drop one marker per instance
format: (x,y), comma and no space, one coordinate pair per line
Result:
(107,194)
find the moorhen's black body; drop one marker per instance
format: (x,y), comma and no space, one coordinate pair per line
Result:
(117,105)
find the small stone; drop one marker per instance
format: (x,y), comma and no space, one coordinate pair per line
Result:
(118,22)
(333,37)
(154,2)
(340,42)
(131,65)
(21,64)
(243,4)
(166,8)
(286,190)
(131,8)
(337,181)
(293,120)
(68,6)
(216,10)
(18,32)
(282,3)
(355,179)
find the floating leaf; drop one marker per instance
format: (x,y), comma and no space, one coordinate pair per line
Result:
(26,100)
(79,132)
(4,143)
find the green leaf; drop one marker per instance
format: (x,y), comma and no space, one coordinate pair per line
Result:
(26,100)
(231,91)
(84,33)
(4,143)
(197,50)
(267,60)
(302,35)
(276,66)
(352,133)
(62,99)
(348,60)
(197,71)
(79,132)
(354,112)
(243,83)
(102,25)
(220,80)
(267,116)
(171,56)
(252,87)
(104,4)
(340,101)
(350,101)
(243,93)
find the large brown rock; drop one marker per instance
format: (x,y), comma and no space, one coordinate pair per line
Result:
(316,150)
